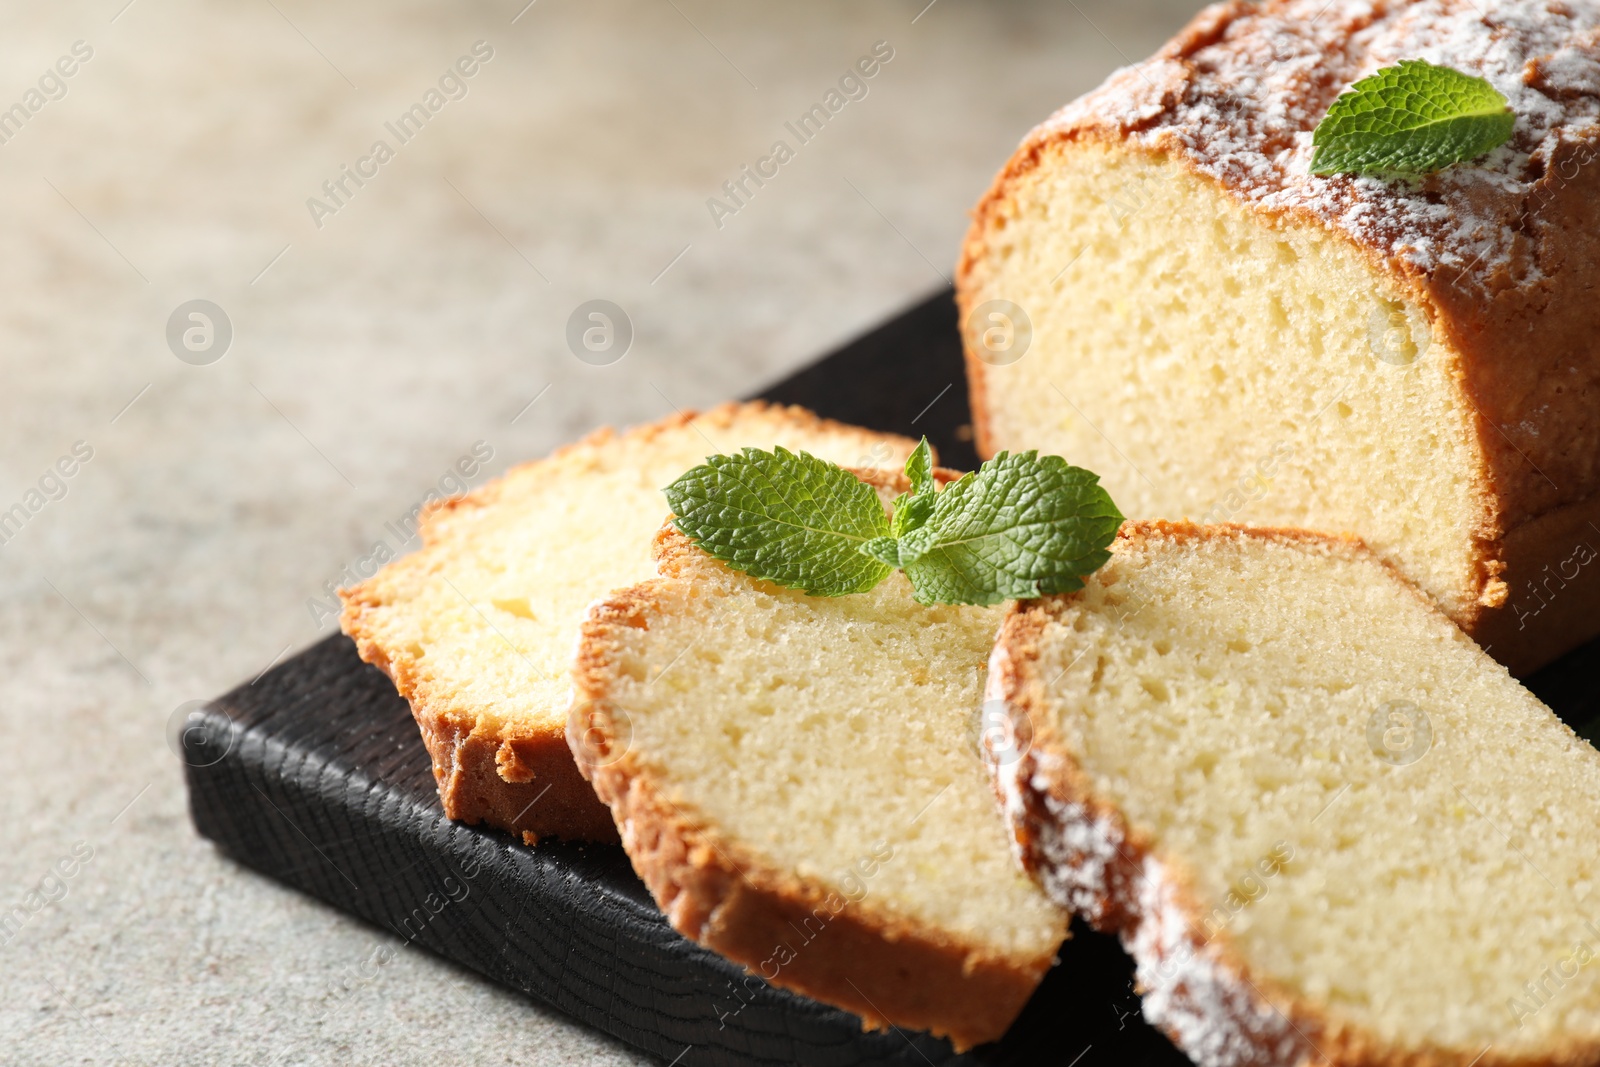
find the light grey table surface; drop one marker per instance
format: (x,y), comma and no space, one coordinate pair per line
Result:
(367,355)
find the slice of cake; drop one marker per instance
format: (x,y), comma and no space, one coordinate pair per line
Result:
(1329,828)
(1158,287)
(477,628)
(797,781)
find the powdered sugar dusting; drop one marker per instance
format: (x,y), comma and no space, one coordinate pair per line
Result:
(1074,866)
(1211,1011)
(1076,857)
(1084,861)
(1003,772)
(1240,91)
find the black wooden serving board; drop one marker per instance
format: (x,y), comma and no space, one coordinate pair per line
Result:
(315,775)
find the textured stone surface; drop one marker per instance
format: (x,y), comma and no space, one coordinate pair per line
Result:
(419,320)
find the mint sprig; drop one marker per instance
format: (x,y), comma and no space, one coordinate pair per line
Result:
(1412,118)
(1023,526)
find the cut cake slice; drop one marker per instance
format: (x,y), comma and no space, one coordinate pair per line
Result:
(797,781)
(1329,828)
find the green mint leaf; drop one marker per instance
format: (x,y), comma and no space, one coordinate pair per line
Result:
(919,469)
(784,517)
(884,550)
(911,512)
(1413,118)
(912,509)
(1023,526)
(914,545)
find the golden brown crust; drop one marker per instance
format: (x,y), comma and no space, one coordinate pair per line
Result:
(1552,576)
(1215,1007)
(520,777)
(517,779)
(884,968)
